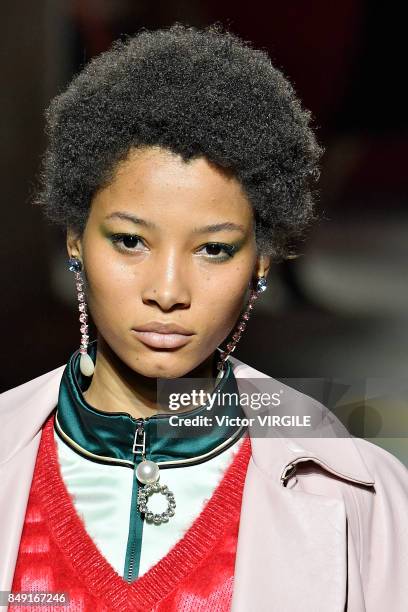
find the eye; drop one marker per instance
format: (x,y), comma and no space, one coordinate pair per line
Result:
(125,242)
(214,249)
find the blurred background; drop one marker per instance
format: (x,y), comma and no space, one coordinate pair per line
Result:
(337,312)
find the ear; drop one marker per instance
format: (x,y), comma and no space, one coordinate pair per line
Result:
(262,266)
(74,243)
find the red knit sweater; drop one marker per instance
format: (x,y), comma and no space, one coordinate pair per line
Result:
(57,554)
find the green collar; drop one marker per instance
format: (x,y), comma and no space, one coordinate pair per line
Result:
(108,437)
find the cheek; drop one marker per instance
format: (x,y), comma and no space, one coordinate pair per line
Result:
(111,289)
(220,306)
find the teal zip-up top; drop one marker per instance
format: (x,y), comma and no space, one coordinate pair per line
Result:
(99,452)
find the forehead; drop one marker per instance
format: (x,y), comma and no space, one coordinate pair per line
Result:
(160,183)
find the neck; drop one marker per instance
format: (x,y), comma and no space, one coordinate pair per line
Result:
(117,388)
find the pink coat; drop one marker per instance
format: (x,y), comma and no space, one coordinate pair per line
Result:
(334,539)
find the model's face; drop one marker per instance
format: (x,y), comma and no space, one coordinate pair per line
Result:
(149,257)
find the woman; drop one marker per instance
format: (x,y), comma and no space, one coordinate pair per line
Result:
(182,164)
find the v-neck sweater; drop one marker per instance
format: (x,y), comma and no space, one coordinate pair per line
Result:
(57,554)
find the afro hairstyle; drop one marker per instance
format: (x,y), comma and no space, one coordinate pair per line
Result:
(197,92)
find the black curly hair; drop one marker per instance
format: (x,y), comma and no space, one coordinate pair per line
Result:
(197,92)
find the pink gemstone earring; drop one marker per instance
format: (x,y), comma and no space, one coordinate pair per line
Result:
(86,364)
(255,293)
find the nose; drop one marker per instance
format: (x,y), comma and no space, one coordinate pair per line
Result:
(166,283)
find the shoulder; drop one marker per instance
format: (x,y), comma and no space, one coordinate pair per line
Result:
(35,385)
(384,511)
(387,469)
(244,370)
(24,409)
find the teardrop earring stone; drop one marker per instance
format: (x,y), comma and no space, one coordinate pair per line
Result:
(86,365)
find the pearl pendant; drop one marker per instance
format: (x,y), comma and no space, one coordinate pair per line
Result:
(147,472)
(86,364)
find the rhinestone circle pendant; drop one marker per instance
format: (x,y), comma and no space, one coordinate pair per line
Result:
(142,499)
(148,473)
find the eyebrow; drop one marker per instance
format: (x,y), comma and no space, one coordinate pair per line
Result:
(213,227)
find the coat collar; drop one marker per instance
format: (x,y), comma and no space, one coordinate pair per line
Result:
(32,402)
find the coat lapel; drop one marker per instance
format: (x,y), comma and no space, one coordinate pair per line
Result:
(15,477)
(23,411)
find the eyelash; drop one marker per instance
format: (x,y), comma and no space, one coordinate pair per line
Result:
(228,249)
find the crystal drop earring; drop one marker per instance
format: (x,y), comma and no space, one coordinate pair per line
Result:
(255,293)
(86,364)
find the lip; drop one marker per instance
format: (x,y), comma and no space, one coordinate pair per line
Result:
(163,328)
(160,340)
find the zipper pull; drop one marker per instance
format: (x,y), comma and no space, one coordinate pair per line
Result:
(139,442)
(288,472)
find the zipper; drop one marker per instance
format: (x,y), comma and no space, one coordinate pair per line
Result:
(136,523)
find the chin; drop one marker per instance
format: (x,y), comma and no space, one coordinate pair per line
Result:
(164,366)
(166,373)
